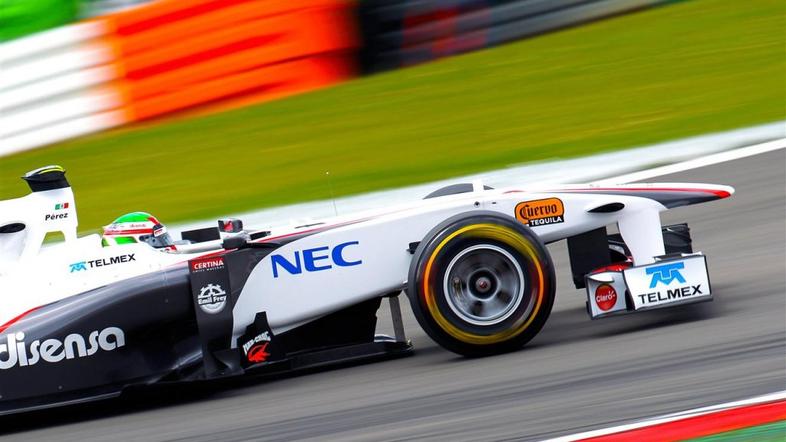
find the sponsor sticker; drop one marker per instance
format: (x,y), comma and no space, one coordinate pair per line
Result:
(258,353)
(258,343)
(204,264)
(212,298)
(605,297)
(541,212)
(256,349)
(262,337)
(15,351)
(102,262)
(314,260)
(668,282)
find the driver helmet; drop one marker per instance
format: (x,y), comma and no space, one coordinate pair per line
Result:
(137,227)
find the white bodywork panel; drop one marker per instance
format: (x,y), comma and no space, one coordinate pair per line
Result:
(376,240)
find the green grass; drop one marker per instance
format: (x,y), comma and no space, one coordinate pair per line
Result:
(671,72)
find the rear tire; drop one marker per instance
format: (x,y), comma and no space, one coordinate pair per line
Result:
(481,284)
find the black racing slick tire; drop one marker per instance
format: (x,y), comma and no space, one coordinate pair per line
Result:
(481,284)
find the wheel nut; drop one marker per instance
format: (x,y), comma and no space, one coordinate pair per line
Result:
(483,284)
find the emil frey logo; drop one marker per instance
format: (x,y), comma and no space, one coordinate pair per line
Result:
(666,273)
(311,257)
(212,298)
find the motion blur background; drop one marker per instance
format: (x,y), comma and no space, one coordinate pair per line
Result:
(202,108)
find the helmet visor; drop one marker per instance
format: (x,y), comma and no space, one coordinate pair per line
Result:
(157,241)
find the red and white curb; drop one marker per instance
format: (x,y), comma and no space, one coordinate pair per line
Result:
(695,423)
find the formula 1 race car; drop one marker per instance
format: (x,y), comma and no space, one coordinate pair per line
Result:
(83,322)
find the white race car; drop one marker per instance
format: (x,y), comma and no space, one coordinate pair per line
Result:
(229,301)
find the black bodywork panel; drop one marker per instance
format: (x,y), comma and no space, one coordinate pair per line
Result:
(588,251)
(150,329)
(98,342)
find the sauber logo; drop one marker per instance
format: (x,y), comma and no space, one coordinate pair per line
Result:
(666,273)
(17,351)
(541,212)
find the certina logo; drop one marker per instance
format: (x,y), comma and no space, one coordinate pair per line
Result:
(314,260)
(17,352)
(103,262)
(666,273)
(207,264)
(541,212)
(212,299)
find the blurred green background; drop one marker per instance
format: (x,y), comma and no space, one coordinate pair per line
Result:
(666,73)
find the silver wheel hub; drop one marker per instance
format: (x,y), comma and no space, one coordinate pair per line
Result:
(484,285)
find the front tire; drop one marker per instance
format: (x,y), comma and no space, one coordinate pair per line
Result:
(481,284)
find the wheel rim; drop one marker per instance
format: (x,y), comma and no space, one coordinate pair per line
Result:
(484,285)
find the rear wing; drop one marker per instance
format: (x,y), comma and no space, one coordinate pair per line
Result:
(25,221)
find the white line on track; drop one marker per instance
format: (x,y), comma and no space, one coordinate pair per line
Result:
(696,163)
(781,395)
(579,170)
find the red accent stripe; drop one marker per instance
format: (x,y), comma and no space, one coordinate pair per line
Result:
(271,238)
(717,192)
(181,14)
(612,268)
(18,318)
(704,425)
(127,232)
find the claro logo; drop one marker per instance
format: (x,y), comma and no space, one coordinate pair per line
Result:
(17,351)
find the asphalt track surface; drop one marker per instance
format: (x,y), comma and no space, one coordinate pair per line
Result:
(576,375)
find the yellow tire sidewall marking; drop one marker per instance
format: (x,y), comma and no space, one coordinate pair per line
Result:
(506,236)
